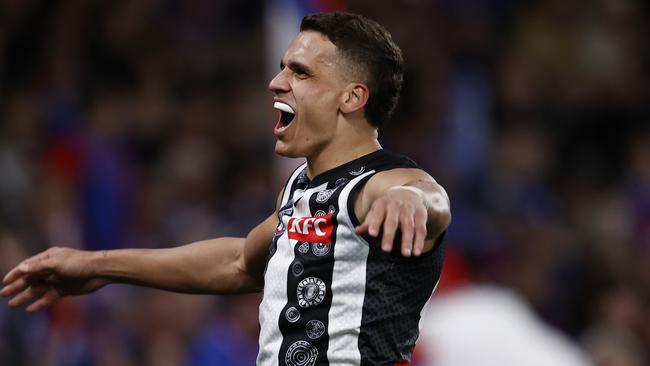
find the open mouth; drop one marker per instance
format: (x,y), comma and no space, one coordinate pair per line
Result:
(286,113)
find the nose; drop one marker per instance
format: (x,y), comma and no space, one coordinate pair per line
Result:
(279,84)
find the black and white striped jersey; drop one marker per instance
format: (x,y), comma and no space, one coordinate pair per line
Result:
(331,296)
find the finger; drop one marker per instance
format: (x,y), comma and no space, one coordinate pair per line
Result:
(13,275)
(390,226)
(420,220)
(19,285)
(407,226)
(29,265)
(362,229)
(31,293)
(46,300)
(375,218)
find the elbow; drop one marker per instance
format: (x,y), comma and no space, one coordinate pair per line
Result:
(248,279)
(439,221)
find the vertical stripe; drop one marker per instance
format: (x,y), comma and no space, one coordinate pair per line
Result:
(305,340)
(275,295)
(349,272)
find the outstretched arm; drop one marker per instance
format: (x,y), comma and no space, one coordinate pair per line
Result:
(223,265)
(406,199)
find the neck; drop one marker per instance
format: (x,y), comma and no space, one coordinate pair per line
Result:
(334,156)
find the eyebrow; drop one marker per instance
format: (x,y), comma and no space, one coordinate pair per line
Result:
(297,67)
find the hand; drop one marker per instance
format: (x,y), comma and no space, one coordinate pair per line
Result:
(51,275)
(400,207)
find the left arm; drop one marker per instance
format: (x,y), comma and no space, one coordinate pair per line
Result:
(406,199)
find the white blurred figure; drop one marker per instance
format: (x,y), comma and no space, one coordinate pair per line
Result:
(491,326)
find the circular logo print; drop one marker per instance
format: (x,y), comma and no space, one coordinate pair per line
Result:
(358,171)
(319,213)
(311,292)
(331,209)
(320,249)
(303,248)
(297,269)
(301,353)
(315,329)
(324,195)
(292,315)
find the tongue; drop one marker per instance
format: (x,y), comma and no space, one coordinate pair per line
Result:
(283,107)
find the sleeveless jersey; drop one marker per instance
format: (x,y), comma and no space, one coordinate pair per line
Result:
(331,296)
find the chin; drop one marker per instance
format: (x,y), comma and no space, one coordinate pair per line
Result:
(288,151)
(283,150)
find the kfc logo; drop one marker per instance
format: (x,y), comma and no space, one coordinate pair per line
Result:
(311,229)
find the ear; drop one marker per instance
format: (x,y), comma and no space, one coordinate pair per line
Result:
(354,97)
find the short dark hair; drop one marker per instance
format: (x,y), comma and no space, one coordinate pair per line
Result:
(369,45)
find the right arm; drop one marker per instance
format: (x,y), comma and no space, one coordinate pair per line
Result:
(217,266)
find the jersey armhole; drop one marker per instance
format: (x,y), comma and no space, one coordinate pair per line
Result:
(354,220)
(352,198)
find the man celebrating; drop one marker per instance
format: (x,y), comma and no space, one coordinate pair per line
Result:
(334,290)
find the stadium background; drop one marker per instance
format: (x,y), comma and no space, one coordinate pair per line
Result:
(148,123)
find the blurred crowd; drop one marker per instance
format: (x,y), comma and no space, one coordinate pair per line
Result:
(149,124)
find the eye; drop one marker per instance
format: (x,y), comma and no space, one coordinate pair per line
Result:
(298,70)
(301,73)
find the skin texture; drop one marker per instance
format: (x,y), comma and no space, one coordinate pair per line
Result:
(329,129)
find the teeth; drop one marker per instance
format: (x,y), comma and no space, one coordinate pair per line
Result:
(283,107)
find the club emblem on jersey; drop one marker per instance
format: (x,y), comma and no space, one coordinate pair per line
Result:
(358,171)
(311,292)
(315,329)
(341,182)
(331,209)
(311,229)
(303,248)
(320,249)
(324,195)
(292,315)
(301,353)
(297,269)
